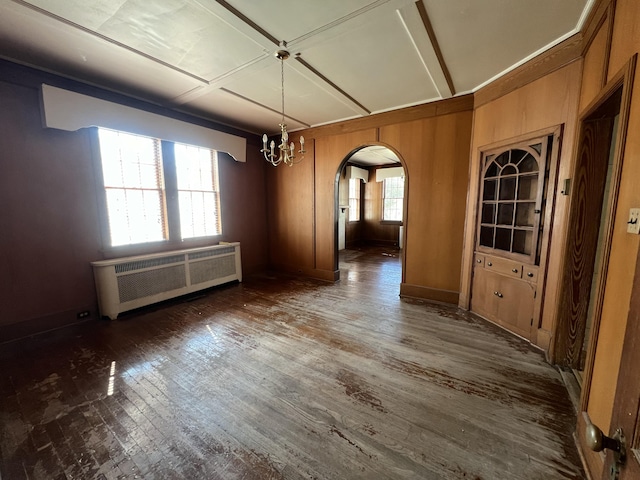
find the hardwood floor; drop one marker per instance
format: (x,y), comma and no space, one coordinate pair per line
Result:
(286,378)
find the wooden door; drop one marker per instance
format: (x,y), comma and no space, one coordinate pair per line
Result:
(588,191)
(627,400)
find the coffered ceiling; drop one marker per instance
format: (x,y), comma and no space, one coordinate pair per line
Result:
(349,58)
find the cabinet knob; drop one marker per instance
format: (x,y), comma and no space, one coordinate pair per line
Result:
(497,294)
(514,270)
(529,274)
(479,261)
(489,264)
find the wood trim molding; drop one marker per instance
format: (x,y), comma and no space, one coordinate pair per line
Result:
(599,13)
(326,80)
(426,293)
(611,17)
(48,323)
(547,62)
(248,21)
(436,46)
(426,110)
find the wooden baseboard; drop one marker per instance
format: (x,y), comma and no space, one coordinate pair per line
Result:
(326,275)
(36,326)
(543,340)
(417,291)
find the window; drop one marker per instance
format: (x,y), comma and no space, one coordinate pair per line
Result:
(392,198)
(145,205)
(198,191)
(132,172)
(354,199)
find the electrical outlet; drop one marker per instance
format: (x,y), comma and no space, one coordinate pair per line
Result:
(83,314)
(633,225)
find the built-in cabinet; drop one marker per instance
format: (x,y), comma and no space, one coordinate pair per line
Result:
(505,292)
(510,226)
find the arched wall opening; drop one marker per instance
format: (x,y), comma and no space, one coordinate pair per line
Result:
(369,165)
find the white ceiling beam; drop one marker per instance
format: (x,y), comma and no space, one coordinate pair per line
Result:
(316,77)
(227,78)
(425,43)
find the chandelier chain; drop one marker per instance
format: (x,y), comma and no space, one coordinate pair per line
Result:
(282,85)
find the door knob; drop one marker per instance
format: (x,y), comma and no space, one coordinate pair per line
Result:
(598,441)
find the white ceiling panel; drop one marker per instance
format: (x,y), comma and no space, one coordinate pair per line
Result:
(376,63)
(305,100)
(47,43)
(176,32)
(348,58)
(480,39)
(289,20)
(228,108)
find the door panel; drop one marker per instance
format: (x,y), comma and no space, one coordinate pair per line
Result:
(627,401)
(483,301)
(515,307)
(588,190)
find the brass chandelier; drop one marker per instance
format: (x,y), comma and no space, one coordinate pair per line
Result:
(286,151)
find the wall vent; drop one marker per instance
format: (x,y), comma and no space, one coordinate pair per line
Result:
(127,283)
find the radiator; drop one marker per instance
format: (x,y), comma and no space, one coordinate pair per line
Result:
(132,282)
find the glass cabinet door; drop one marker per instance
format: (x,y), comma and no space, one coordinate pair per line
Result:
(511,198)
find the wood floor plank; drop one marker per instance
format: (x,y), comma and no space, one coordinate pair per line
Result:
(287,378)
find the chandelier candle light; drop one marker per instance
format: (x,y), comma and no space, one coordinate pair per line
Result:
(286,152)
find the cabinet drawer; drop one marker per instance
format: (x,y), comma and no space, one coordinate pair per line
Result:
(530,273)
(504,266)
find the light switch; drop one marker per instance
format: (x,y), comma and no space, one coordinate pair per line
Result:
(633,225)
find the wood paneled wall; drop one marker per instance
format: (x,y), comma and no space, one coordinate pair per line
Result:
(291,207)
(436,155)
(50,223)
(433,143)
(624,247)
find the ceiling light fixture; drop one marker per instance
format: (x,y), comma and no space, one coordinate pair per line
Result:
(286,153)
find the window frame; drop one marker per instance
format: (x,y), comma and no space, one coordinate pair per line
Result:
(124,186)
(383,220)
(215,190)
(174,239)
(358,200)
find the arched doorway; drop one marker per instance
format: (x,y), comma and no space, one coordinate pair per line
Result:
(370,202)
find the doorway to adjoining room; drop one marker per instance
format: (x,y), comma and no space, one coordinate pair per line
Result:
(371,193)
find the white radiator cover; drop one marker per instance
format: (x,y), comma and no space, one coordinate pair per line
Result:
(132,282)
